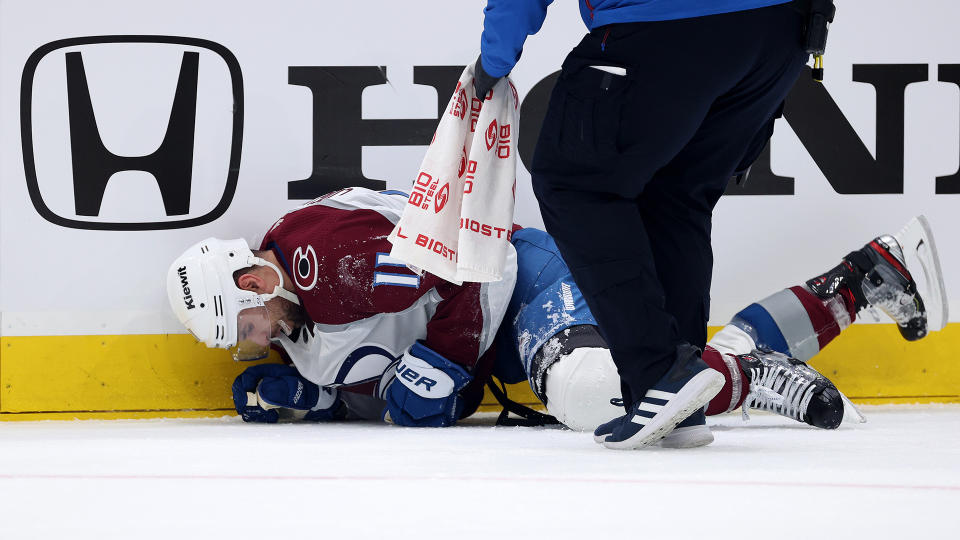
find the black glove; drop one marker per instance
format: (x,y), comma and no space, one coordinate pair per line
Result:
(483,82)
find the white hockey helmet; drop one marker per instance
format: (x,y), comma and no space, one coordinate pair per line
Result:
(207,301)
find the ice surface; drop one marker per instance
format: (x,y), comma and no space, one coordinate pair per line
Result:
(895,477)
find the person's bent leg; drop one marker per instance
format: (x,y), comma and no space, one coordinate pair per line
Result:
(794,321)
(802,320)
(567,362)
(553,335)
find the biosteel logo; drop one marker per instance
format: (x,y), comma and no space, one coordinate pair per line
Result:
(491,135)
(442,197)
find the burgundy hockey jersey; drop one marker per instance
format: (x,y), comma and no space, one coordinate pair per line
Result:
(366,307)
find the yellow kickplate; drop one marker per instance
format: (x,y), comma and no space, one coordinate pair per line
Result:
(113,373)
(141,376)
(116,415)
(871,362)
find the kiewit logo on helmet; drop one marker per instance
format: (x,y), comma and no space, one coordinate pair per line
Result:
(187,297)
(92,112)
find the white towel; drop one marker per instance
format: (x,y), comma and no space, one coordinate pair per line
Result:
(460,214)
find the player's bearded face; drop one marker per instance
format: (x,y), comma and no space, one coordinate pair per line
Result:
(284,310)
(253,334)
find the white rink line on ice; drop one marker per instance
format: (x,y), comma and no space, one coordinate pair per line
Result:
(495,479)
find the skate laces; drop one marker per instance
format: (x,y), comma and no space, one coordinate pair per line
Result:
(781,389)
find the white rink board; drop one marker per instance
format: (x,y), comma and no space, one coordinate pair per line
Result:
(59,280)
(895,477)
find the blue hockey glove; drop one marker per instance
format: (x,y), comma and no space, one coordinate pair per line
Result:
(263,391)
(424,393)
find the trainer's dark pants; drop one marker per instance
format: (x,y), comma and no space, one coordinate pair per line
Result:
(627,169)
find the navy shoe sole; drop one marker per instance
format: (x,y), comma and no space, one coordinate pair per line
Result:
(698,391)
(687,437)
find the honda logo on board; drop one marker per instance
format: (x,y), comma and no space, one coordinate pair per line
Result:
(131,132)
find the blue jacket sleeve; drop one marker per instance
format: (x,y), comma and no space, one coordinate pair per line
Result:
(506,25)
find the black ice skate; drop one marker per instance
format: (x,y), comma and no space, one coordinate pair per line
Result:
(791,388)
(878,276)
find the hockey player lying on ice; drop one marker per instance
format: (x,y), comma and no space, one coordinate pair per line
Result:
(369,338)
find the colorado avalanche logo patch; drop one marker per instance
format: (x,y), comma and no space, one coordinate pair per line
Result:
(305,273)
(442,197)
(492,131)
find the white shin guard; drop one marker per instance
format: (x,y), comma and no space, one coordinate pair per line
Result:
(579,386)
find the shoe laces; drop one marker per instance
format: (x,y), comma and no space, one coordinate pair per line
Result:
(779,389)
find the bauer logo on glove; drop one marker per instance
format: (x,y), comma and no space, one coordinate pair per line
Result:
(424,394)
(424,379)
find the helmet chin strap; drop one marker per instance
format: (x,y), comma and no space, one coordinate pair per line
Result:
(278,290)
